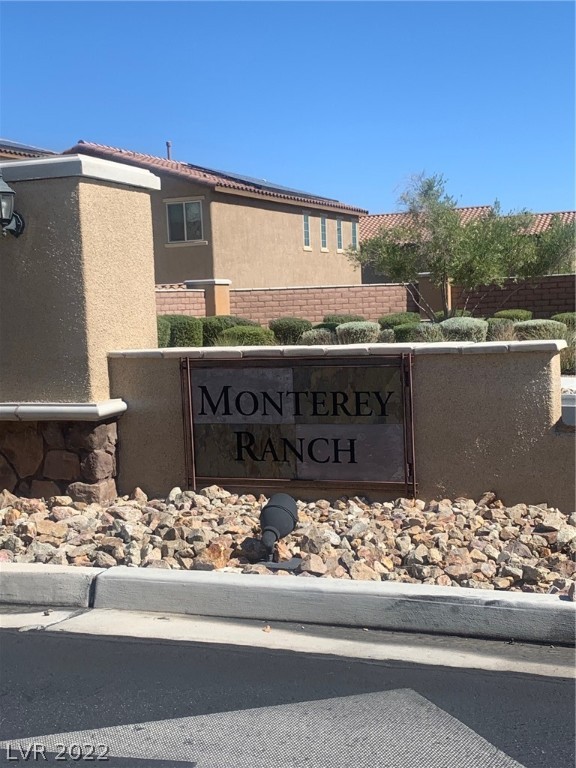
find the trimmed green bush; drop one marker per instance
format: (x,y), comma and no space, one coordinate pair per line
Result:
(358,333)
(289,329)
(568,318)
(439,316)
(405,333)
(517,315)
(327,326)
(568,356)
(185,331)
(429,332)
(163,327)
(464,329)
(398,318)
(339,319)
(386,336)
(246,336)
(318,336)
(540,329)
(500,329)
(419,332)
(213,326)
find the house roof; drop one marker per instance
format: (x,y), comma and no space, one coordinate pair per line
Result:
(14,149)
(371,225)
(222,180)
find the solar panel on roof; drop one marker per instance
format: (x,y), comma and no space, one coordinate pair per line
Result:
(260,183)
(17,147)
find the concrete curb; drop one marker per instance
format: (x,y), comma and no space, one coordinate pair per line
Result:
(374,605)
(34,584)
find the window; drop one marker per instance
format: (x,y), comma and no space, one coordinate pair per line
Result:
(354,235)
(339,234)
(184,221)
(323,237)
(306,221)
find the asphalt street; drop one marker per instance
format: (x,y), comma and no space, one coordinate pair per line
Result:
(125,702)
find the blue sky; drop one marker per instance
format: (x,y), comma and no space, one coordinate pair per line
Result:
(342,99)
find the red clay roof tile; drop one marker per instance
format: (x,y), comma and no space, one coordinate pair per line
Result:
(370,225)
(205,176)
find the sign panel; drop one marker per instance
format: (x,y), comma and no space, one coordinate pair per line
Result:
(300,422)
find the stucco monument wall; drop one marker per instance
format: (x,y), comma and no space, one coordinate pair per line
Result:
(486,417)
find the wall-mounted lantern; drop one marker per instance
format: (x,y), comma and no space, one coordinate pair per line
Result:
(10,220)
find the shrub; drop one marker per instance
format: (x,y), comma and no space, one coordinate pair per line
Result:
(185,331)
(289,329)
(517,315)
(439,316)
(358,333)
(500,329)
(386,336)
(213,326)
(163,327)
(420,332)
(568,356)
(540,329)
(327,326)
(398,318)
(429,332)
(339,319)
(405,333)
(318,336)
(464,329)
(568,318)
(246,336)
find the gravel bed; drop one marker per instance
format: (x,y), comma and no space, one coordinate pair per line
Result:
(461,542)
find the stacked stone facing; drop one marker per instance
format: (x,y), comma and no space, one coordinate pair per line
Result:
(44,459)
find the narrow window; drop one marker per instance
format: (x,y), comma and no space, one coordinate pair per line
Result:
(339,234)
(184,221)
(354,235)
(323,237)
(306,219)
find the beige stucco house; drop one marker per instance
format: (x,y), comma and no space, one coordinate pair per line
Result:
(209,224)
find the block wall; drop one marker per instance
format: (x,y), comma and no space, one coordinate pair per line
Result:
(544,296)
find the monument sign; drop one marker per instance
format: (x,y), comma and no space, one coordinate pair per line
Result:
(292,422)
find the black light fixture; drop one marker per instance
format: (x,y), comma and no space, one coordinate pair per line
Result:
(10,220)
(278,519)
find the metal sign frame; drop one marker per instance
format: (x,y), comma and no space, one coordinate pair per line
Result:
(403,361)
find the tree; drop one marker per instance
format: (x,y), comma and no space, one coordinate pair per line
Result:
(434,238)
(555,249)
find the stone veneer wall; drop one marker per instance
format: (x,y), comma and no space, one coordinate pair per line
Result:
(43,459)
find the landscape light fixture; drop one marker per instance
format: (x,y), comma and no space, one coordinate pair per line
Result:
(10,220)
(278,519)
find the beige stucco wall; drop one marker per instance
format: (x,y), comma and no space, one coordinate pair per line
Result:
(482,422)
(77,283)
(120,300)
(151,432)
(258,244)
(43,342)
(489,423)
(174,263)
